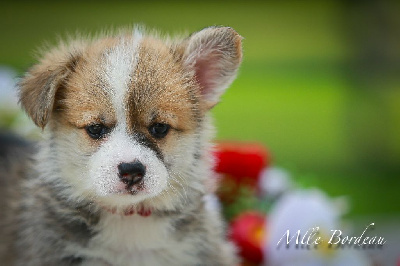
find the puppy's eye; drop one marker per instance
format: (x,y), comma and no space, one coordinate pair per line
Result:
(159,130)
(96,131)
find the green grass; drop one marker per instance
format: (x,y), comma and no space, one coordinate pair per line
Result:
(291,94)
(296,112)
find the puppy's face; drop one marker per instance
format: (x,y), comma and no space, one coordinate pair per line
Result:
(127,114)
(135,119)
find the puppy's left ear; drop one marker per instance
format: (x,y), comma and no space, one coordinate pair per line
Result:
(38,88)
(214,55)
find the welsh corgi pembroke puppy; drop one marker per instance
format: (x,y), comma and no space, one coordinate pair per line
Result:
(124,172)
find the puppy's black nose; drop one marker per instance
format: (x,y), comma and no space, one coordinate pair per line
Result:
(131,173)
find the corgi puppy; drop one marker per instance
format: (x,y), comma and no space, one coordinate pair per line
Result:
(124,171)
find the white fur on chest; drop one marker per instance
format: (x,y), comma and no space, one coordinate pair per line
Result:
(133,240)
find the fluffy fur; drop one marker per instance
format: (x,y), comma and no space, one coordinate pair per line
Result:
(70,207)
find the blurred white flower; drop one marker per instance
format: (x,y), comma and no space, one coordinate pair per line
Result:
(274,182)
(212,203)
(8,93)
(305,210)
(11,115)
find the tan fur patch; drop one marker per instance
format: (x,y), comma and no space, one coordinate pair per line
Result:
(83,101)
(160,92)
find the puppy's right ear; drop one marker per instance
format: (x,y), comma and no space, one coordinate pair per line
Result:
(38,88)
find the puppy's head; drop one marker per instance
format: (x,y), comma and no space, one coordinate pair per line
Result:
(127,115)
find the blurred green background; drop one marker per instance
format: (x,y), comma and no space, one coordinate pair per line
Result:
(319,85)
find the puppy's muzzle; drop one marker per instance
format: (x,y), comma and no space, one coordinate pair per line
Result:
(131,173)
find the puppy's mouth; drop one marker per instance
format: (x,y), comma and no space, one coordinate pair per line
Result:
(134,189)
(130,210)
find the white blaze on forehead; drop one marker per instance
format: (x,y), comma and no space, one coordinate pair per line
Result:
(117,70)
(120,63)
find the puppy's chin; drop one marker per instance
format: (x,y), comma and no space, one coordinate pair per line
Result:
(125,204)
